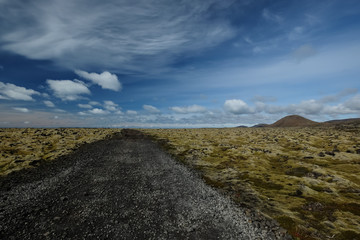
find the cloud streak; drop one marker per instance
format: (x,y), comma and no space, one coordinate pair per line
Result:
(20,109)
(151,109)
(79,35)
(189,109)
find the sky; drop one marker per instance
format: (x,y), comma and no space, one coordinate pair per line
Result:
(175,64)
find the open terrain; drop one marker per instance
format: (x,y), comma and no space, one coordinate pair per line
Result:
(306,178)
(124,187)
(22,148)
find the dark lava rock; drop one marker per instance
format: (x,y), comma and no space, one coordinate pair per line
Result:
(330,153)
(321,154)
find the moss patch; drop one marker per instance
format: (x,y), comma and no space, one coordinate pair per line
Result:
(26,147)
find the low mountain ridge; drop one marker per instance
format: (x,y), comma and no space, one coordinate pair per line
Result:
(299,121)
(294,121)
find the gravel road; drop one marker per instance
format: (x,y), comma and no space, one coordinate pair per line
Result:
(125,187)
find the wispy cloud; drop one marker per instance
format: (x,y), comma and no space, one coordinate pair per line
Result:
(268,15)
(131,112)
(49,103)
(78,35)
(303,52)
(80,105)
(151,109)
(189,109)
(68,90)
(12,92)
(20,109)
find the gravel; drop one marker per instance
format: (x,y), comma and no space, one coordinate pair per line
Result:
(125,187)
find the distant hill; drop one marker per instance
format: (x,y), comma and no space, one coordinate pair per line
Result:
(294,121)
(343,121)
(299,121)
(260,125)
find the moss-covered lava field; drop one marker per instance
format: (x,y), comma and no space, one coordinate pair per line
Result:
(26,147)
(308,179)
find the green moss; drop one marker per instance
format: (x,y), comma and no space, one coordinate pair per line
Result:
(211,182)
(298,171)
(268,185)
(351,207)
(286,222)
(348,235)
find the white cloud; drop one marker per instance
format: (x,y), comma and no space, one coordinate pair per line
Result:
(353,103)
(82,113)
(10,91)
(98,111)
(131,112)
(307,107)
(189,109)
(106,80)
(237,106)
(151,109)
(24,110)
(49,103)
(271,16)
(68,90)
(110,106)
(80,105)
(338,110)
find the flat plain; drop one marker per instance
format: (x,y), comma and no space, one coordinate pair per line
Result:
(305,178)
(26,147)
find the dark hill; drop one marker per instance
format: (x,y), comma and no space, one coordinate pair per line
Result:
(260,125)
(294,121)
(349,121)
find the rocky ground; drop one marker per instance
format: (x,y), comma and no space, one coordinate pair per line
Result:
(125,187)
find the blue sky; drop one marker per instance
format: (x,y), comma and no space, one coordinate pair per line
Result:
(190,63)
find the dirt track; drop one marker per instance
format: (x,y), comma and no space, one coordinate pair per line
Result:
(122,188)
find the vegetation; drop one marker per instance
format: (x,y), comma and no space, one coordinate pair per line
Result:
(24,148)
(305,178)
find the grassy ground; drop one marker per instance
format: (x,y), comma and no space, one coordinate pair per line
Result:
(307,179)
(24,148)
